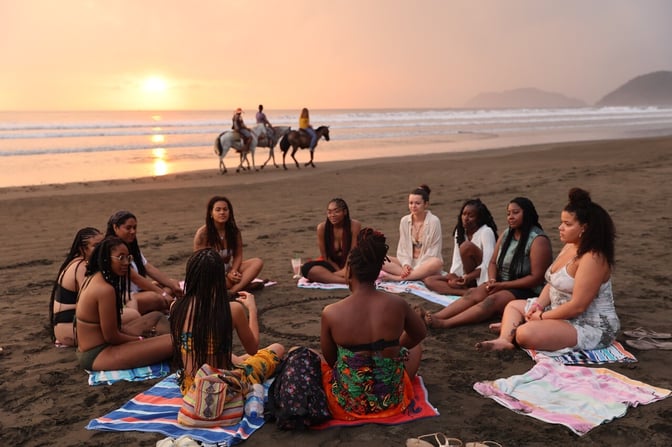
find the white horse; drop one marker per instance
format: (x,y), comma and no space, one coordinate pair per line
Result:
(260,138)
(269,139)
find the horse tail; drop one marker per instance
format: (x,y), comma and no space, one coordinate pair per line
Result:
(218,145)
(284,143)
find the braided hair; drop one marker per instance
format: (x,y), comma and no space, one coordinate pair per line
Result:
(204,313)
(367,258)
(101,261)
(118,219)
(77,249)
(483,217)
(347,231)
(600,232)
(530,220)
(230,228)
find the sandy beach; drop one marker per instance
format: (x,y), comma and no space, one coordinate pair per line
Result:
(45,399)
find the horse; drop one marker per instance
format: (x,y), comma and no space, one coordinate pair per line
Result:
(260,138)
(230,139)
(269,140)
(298,139)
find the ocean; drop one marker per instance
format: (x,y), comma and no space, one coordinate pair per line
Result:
(62,147)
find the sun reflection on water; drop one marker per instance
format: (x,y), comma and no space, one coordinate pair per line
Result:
(159,165)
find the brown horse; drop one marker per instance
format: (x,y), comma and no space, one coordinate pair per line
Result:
(301,139)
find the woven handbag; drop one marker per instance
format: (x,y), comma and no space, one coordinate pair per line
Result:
(215,399)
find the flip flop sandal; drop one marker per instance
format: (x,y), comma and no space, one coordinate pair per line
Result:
(647,344)
(440,440)
(641,332)
(483,444)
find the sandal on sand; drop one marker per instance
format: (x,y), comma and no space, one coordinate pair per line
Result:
(641,332)
(440,440)
(483,444)
(647,344)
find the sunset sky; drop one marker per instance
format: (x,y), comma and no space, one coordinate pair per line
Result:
(221,54)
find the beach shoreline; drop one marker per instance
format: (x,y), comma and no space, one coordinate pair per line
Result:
(45,391)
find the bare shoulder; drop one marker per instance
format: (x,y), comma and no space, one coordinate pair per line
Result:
(355,226)
(200,238)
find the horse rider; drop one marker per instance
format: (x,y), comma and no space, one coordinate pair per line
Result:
(240,127)
(304,124)
(261,119)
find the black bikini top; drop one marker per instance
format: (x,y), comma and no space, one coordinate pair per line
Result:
(374,346)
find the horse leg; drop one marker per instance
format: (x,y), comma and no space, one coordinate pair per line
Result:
(310,162)
(294,149)
(222,167)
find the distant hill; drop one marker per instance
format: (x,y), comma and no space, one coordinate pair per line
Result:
(531,98)
(653,89)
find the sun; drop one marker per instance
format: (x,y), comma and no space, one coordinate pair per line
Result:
(155,84)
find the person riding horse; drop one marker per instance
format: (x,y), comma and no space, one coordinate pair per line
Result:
(240,127)
(304,125)
(261,119)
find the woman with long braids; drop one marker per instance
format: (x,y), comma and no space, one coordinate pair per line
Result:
(370,340)
(475,238)
(202,324)
(68,282)
(221,233)
(516,271)
(336,236)
(576,308)
(151,289)
(103,343)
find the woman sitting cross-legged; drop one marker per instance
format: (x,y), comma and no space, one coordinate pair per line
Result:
(221,233)
(103,343)
(475,238)
(370,341)
(516,271)
(202,324)
(420,242)
(336,236)
(576,308)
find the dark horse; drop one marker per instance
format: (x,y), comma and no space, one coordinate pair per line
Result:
(301,139)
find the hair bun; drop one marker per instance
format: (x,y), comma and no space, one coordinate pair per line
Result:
(579,196)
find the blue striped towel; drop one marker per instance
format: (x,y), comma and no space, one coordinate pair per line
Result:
(156,371)
(614,353)
(155,410)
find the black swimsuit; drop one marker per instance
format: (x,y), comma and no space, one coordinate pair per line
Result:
(373,346)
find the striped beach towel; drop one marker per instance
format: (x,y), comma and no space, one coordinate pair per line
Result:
(155,410)
(615,353)
(140,374)
(577,397)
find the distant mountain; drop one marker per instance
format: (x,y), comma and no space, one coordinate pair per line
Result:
(530,98)
(653,89)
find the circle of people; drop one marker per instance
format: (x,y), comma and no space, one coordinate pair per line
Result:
(123,312)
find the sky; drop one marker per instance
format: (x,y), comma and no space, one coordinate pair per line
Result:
(322,54)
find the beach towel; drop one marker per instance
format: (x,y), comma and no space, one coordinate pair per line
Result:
(155,410)
(577,397)
(614,353)
(156,371)
(419,408)
(416,288)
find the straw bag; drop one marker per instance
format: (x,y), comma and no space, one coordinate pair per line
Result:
(215,399)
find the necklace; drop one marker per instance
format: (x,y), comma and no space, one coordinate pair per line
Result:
(417,229)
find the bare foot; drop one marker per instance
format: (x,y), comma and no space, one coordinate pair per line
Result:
(422,313)
(495,327)
(498,344)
